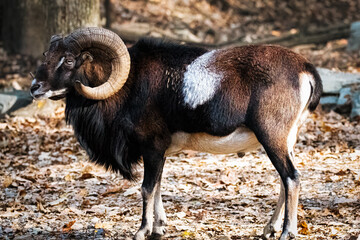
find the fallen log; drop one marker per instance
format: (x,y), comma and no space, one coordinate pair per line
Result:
(134,31)
(316,36)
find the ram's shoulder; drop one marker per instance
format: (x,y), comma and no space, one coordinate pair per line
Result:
(147,45)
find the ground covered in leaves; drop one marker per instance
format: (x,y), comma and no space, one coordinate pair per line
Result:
(50,191)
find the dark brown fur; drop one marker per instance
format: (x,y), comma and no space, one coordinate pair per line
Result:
(259,90)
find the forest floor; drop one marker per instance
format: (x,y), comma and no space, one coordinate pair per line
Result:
(50,191)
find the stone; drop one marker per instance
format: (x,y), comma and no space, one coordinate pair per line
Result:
(329,100)
(77,226)
(343,104)
(11,101)
(340,92)
(333,81)
(354,39)
(45,108)
(355,111)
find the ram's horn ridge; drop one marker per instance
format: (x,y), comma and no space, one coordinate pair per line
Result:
(112,44)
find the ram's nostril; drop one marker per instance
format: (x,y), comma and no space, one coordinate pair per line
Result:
(35,87)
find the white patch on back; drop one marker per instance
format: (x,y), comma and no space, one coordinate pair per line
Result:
(200,82)
(305,80)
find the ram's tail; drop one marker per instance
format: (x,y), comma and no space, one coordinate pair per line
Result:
(316,87)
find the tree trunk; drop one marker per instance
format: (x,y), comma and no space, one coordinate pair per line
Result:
(64,16)
(27,25)
(108,9)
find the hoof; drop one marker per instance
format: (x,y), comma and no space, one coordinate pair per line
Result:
(155,236)
(159,230)
(269,232)
(241,154)
(159,227)
(142,234)
(287,235)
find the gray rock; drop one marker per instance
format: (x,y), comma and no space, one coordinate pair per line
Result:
(333,81)
(354,40)
(11,101)
(355,111)
(343,104)
(329,100)
(43,108)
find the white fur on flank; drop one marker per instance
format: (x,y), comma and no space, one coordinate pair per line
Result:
(241,140)
(200,82)
(306,80)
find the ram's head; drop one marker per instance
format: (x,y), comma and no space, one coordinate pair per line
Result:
(70,62)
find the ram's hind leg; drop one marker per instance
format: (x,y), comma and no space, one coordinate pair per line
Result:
(281,155)
(279,145)
(290,178)
(275,222)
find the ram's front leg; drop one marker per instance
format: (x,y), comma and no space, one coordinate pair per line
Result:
(159,212)
(153,167)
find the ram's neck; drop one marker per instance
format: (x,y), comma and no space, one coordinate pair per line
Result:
(105,142)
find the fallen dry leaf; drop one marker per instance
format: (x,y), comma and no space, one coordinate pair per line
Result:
(131,191)
(41,208)
(58,201)
(112,190)
(188,235)
(104,225)
(67,226)
(304,228)
(7,181)
(85,176)
(68,178)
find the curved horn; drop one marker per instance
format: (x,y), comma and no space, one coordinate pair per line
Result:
(112,44)
(55,38)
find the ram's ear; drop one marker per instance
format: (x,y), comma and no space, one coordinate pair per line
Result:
(84,56)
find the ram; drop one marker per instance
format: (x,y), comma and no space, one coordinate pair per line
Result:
(157,98)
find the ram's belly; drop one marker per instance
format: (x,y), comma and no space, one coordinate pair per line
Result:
(241,140)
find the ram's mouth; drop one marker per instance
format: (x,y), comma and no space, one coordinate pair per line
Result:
(37,96)
(58,97)
(56,94)
(53,95)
